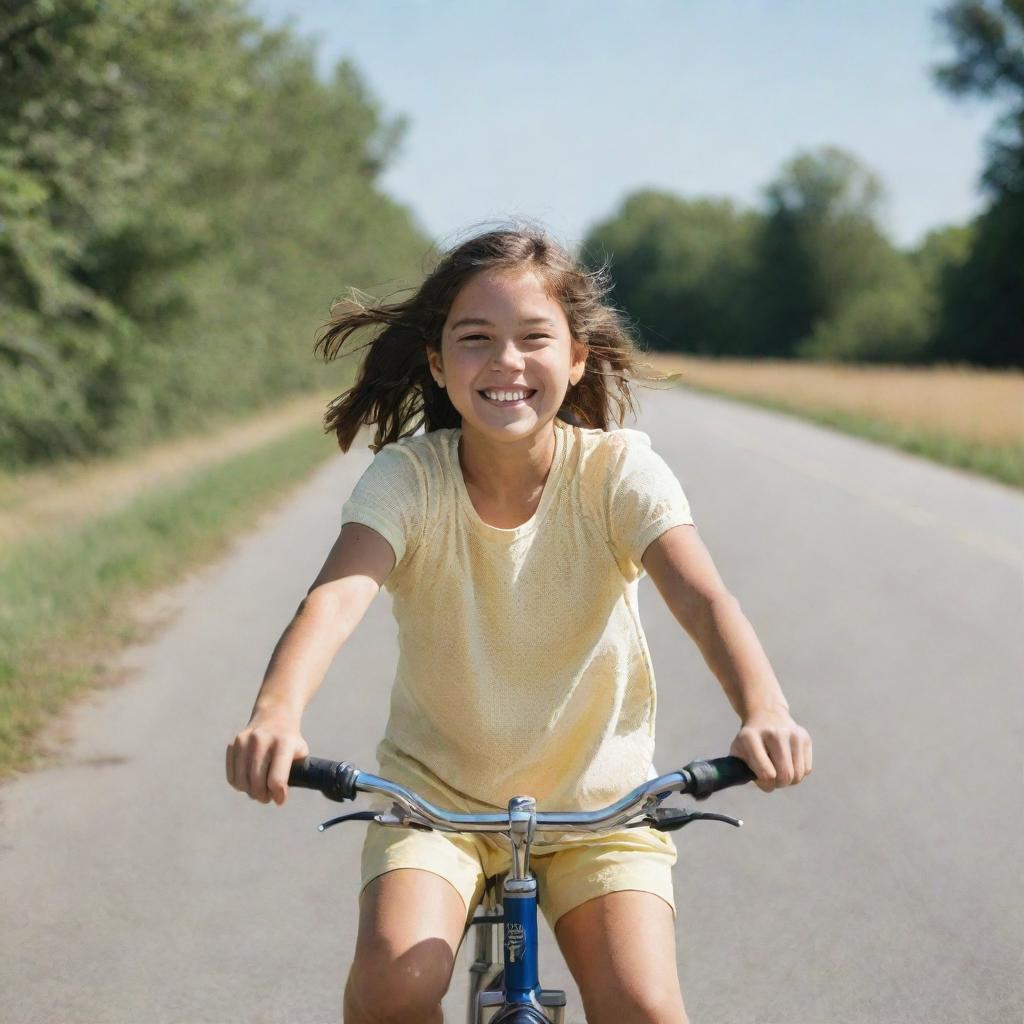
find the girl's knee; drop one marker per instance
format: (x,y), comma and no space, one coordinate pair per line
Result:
(647,1006)
(383,987)
(410,925)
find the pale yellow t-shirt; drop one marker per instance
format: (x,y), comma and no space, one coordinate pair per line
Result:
(523,668)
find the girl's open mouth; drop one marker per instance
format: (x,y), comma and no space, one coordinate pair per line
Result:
(507,397)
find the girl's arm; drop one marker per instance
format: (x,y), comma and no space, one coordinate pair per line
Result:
(260,756)
(771,743)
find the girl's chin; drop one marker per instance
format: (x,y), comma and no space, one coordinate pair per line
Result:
(504,423)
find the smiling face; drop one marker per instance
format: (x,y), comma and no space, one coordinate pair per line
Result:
(507,355)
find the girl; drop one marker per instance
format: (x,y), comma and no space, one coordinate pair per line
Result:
(511,535)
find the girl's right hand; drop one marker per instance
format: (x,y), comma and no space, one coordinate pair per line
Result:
(261,755)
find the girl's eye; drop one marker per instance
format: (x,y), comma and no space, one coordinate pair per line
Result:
(483,337)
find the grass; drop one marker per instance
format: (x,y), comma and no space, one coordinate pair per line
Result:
(65,603)
(958,416)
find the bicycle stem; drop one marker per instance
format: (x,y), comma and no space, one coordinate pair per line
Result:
(522,817)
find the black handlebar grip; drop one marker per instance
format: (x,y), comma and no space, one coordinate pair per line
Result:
(335,779)
(711,775)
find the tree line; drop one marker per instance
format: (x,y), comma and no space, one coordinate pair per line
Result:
(811,274)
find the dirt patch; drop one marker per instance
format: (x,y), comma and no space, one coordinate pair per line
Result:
(40,502)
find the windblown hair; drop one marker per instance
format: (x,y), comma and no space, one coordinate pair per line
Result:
(394,389)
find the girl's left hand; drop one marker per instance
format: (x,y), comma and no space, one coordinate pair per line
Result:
(774,747)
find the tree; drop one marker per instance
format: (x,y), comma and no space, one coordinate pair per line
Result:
(680,269)
(819,246)
(982,316)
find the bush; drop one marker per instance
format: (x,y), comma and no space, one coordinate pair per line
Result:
(890,323)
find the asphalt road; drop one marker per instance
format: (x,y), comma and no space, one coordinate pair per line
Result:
(135,885)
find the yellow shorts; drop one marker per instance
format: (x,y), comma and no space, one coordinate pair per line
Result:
(634,858)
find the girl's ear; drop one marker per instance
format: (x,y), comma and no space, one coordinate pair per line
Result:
(579,363)
(436,366)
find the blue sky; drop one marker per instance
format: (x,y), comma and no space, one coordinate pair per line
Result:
(558,109)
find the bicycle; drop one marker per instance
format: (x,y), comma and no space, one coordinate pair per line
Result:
(504,976)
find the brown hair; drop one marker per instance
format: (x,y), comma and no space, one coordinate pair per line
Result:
(395,390)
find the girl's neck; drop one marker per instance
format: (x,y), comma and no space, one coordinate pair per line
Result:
(511,473)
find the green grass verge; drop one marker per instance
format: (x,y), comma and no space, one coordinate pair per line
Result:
(999,462)
(66,603)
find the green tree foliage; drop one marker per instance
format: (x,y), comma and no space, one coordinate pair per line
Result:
(886,322)
(895,318)
(810,275)
(825,273)
(680,269)
(180,198)
(982,316)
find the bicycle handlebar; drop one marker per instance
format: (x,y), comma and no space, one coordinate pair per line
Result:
(341,781)
(709,776)
(335,779)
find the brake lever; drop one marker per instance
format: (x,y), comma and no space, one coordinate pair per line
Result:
(354,816)
(393,818)
(671,819)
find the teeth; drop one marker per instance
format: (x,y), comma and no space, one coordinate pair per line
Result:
(505,396)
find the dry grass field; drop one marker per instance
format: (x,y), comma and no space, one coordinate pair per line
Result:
(967,417)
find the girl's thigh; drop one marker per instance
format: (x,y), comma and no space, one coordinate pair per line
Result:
(408,908)
(418,891)
(452,859)
(621,950)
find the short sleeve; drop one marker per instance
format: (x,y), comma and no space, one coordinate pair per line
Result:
(388,498)
(645,498)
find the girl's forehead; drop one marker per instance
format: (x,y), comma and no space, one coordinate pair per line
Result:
(510,290)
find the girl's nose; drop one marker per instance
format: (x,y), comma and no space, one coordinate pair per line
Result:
(507,354)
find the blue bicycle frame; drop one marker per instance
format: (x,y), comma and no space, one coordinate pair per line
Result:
(520,997)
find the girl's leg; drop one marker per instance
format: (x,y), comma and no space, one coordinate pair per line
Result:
(621,950)
(411,923)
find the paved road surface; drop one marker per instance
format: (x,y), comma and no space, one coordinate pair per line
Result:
(136,886)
